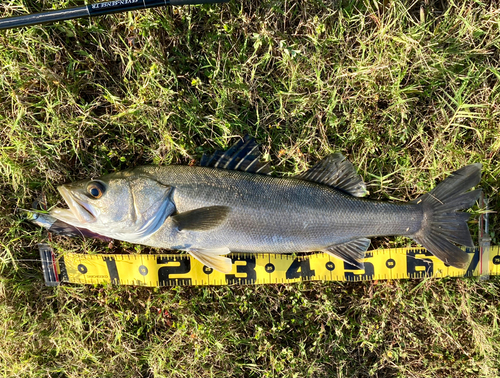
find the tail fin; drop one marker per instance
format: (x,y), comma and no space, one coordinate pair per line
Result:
(443,223)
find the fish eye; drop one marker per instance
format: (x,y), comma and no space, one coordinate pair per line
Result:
(95,189)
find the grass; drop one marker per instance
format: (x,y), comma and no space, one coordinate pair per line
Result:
(409,91)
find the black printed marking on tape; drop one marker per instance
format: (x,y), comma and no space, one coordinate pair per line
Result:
(112,270)
(82,268)
(418,267)
(474,263)
(247,269)
(63,275)
(165,271)
(143,270)
(270,268)
(367,275)
(391,263)
(300,268)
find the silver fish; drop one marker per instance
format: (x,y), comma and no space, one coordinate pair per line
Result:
(229,204)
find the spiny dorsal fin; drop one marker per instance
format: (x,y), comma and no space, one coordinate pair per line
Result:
(336,171)
(202,219)
(351,252)
(242,156)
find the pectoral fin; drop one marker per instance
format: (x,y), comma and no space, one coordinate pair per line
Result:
(213,259)
(351,252)
(202,219)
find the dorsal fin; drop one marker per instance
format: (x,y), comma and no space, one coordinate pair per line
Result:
(242,156)
(336,171)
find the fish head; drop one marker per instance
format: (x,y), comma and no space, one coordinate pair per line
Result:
(123,205)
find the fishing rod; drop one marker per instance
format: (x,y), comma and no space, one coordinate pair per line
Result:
(92,10)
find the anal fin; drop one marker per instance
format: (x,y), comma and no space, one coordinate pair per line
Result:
(351,252)
(213,258)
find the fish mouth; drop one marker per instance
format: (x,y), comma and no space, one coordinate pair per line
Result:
(79,212)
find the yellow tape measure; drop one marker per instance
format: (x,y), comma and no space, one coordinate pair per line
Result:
(182,270)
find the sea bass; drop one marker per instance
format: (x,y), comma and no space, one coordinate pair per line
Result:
(230,204)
